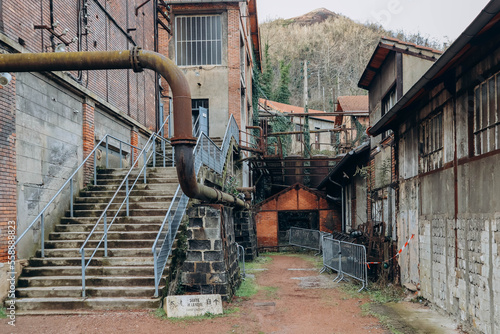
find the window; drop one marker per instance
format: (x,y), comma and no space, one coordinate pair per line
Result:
(487,115)
(199,116)
(387,103)
(300,128)
(198,40)
(431,143)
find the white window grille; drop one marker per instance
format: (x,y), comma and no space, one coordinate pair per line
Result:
(487,115)
(198,40)
(431,143)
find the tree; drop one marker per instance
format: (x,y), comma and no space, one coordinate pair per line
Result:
(282,93)
(267,75)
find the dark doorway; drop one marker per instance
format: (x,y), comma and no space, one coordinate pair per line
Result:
(200,116)
(301,219)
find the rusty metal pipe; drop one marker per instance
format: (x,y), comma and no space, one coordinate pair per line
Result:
(135,59)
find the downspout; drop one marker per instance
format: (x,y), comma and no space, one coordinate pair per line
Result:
(342,201)
(135,59)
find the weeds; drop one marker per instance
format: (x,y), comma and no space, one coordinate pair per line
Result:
(3,313)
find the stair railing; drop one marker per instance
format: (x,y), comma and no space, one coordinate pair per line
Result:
(70,182)
(207,153)
(148,153)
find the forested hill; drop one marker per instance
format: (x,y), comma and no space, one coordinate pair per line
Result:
(336,48)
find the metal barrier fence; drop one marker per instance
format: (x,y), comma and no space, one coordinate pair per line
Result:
(346,258)
(305,238)
(332,256)
(353,262)
(241,258)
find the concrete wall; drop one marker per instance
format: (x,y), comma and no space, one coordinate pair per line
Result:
(49,148)
(453,210)
(413,69)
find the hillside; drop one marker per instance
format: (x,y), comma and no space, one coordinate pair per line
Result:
(336,48)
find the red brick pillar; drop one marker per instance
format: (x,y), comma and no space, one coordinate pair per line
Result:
(134,140)
(233,60)
(8,192)
(88,140)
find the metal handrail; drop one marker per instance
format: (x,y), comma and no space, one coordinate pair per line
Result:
(70,180)
(211,156)
(149,146)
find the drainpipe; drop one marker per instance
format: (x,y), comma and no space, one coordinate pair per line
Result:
(342,201)
(135,59)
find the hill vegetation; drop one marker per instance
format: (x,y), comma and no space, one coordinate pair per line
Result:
(336,48)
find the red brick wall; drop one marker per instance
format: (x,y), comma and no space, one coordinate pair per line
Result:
(294,199)
(132,93)
(233,62)
(8,197)
(134,141)
(88,141)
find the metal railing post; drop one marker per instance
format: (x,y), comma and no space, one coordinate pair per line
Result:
(42,234)
(132,156)
(120,154)
(107,153)
(155,272)
(95,169)
(127,196)
(154,152)
(105,235)
(145,167)
(83,274)
(71,197)
(163,152)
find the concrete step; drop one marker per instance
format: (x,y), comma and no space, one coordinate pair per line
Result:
(159,191)
(138,187)
(116,228)
(112,235)
(150,172)
(91,271)
(120,199)
(121,213)
(132,220)
(90,280)
(92,244)
(96,261)
(68,303)
(151,180)
(112,252)
(96,292)
(117,203)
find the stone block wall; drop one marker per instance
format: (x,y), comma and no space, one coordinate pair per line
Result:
(244,229)
(211,264)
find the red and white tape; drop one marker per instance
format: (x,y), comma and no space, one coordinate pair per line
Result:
(399,252)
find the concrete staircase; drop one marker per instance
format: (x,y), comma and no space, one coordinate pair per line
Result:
(124,279)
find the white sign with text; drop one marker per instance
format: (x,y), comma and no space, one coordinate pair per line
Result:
(192,305)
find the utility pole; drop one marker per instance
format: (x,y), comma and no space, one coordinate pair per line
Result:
(307,138)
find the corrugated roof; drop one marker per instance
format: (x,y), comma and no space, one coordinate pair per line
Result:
(287,108)
(463,47)
(384,47)
(358,103)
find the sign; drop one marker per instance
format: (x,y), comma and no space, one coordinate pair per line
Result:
(192,305)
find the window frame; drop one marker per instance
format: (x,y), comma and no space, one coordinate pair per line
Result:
(486,116)
(431,142)
(201,40)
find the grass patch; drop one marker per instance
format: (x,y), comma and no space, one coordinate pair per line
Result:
(375,292)
(248,288)
(271,292)
(384,320)
(160,314)
(3,313)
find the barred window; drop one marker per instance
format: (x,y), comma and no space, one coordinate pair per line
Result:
(487,115)
(431,143)
(198,40)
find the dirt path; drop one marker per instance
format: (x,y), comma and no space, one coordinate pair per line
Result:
(293,298)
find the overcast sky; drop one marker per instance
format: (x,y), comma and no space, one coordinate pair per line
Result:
(440,19)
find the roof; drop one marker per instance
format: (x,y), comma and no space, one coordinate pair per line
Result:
(384,47)
(464,46)
(287,108)
(346,166)
(356,103)
(296,186)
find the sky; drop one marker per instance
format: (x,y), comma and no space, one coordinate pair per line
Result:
(443,20)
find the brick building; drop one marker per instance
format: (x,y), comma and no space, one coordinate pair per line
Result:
(50,121)
(446,129)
